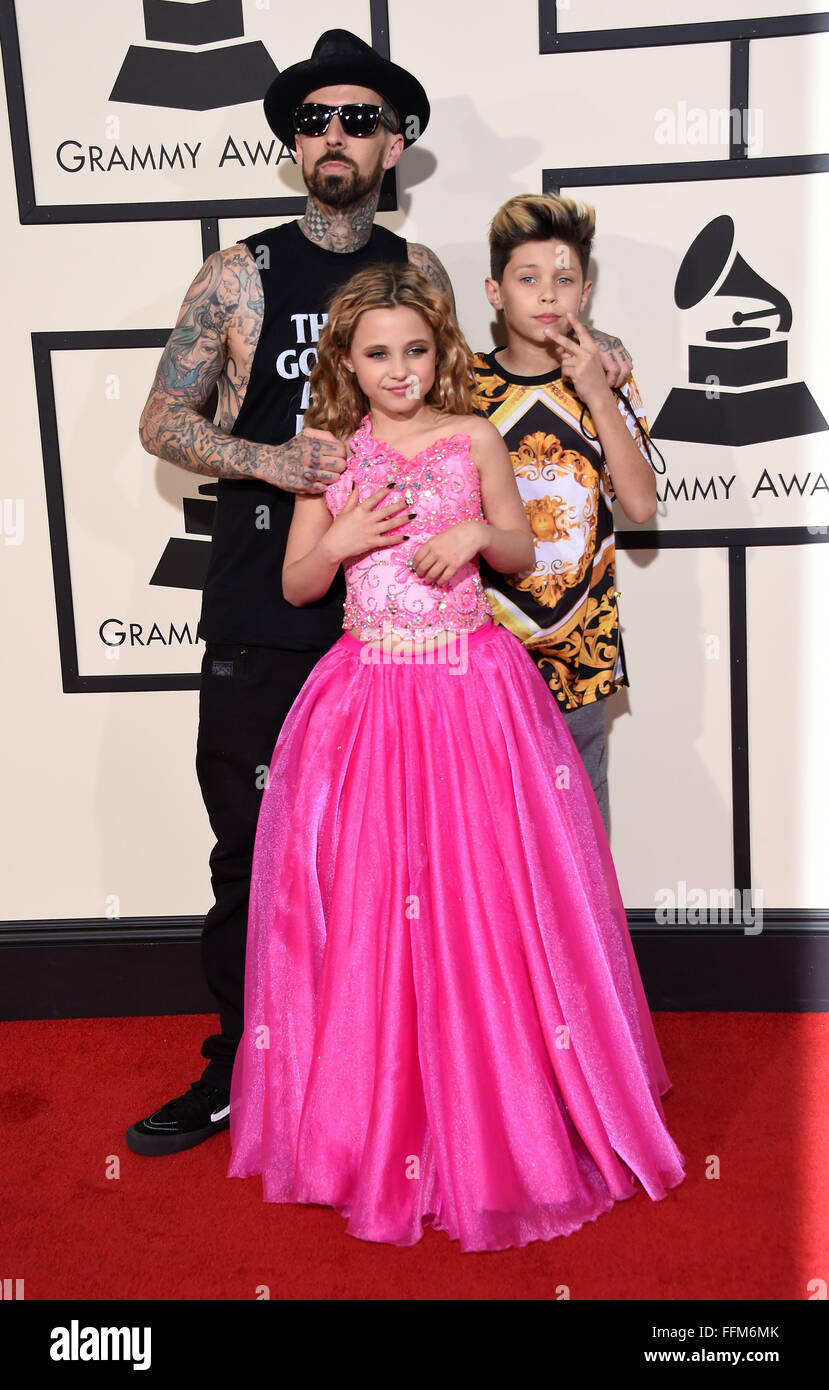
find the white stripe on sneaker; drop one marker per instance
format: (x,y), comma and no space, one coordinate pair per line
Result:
(220,1114)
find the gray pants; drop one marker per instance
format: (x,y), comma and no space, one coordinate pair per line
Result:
(588,729)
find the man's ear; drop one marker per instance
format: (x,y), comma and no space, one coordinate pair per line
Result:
(493,292)
(585,293)
(394,149)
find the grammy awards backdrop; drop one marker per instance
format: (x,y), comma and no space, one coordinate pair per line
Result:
(136,146)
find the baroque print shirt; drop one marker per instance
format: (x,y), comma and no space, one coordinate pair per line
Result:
(563,609)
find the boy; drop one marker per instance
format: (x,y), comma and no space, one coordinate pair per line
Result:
(574,444)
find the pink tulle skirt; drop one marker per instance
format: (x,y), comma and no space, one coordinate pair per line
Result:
(444,1020)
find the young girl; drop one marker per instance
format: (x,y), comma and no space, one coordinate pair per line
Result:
(444,1020)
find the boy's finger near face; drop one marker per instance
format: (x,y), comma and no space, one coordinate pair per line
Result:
(579,328)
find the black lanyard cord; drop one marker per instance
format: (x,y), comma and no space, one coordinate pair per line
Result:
(646,439)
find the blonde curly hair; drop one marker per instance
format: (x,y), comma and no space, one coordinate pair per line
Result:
(338,403)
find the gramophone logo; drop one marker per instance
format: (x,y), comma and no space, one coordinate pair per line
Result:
(738,391)
(191,76)
(184,562)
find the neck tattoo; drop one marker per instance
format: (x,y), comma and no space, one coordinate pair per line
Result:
(339,229)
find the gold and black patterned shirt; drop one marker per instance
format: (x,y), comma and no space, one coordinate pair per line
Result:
(564,608)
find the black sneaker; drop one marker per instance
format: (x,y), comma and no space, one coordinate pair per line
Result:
(182,1123)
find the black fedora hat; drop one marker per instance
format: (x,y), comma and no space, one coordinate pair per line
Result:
(338,57)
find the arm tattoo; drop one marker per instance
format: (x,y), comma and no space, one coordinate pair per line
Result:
(605,342)
(212,345)
(428,264)
(302,464)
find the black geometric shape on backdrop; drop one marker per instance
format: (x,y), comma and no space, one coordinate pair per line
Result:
(704,263)
(715,407)
(263,201)
(667,35)
(750,417)
(755,363)
(194,81)
(166,21)
(183,565)
(198,516)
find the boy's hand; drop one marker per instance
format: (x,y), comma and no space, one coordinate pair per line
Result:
(615,358)
(439,559)
(358,528)
(581,362)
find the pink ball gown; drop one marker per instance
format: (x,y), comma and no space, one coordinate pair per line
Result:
(444,1020)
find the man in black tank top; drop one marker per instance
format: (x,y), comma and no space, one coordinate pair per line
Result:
(249,326)
(242,599)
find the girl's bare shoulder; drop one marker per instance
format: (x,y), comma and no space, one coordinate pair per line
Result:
(478,429)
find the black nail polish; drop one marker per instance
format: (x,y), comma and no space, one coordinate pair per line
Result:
(389,485)
(412,516)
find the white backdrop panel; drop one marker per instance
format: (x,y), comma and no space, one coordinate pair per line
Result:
(781,227)
(90,148)
(100,790)
(576,16)
(122,507)
(100,794)
(788,87)
(788,671)
(502,112)
(669,744)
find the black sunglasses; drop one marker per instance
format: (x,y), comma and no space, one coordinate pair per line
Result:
(356,118)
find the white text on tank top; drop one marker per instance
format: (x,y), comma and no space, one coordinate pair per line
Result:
(298,361)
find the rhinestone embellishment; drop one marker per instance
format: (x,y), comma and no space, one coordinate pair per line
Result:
(383,592)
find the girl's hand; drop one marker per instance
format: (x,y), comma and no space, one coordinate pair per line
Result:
(580,362)
(439,559)
(357,528)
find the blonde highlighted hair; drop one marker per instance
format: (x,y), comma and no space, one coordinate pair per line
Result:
(338,403)
(540,217)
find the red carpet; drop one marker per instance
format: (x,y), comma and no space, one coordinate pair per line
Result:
(749,1089)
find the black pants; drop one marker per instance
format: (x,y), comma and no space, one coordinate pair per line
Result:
(246,692)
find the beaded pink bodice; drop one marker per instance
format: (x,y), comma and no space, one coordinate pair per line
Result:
(383,593)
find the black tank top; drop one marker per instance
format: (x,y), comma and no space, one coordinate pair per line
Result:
(242,598)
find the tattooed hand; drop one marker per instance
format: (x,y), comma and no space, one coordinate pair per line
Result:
(614,356)
(308,463)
